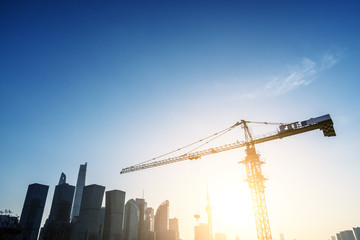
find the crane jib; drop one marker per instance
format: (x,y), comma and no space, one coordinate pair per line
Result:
(324,123)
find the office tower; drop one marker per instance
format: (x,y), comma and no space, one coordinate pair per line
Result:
(78,191)
(338,236)
(87,226)
(220,236)
(282,236)
(114,214)
(62,201)
(333,238)
(347,235)
(58,225)
(62,179)
(202,232)
(149,219)
(161,220)
(33,209)
(142,205)
(149,224)
(174,227)
(161,217)
(102,221)
(131,220)
(357,232)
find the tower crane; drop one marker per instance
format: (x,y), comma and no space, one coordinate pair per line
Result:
(252,162)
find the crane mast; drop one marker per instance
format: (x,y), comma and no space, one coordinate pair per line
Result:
(256,181)
(252,162)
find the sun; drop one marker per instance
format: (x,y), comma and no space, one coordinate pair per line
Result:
(232,209)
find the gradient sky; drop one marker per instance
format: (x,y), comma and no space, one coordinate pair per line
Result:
(116,83)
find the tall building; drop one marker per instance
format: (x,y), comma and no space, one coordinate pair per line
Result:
(88,224)
(220,236)
(338,236)
(131,220)
(58,225)
(149,219)
(33,209)
(62,201)
(174,227)
(114,214)
(333,238)
(162,220)
(102,221)
(142,205)
(149,224)
(347,235)
(357,232)
(78,191)
(202,232)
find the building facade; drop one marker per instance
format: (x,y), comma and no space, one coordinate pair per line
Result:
(357,232)
(161,224)
(78,191)
(131,220)
(142,205)
(202,232)
(174,227)
(58,224)
(149,224)
(33,209)
(114,215)
(347,235)
(88,224)
(62,201)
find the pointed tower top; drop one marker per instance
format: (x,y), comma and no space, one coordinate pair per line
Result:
(62,179)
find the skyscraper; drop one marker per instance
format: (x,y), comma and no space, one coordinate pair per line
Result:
(357,232)
(338,236)
(131,220)
(57,225)
(102,221)
(142,205)
(202,232)
(33,209)
(87,226)
(347,235)
(149,224)
(78,191)
(149,219)
(114,214)
(162,220)
(62,200)
(174,227)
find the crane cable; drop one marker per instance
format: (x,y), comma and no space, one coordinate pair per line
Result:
(228,130)
(213,136)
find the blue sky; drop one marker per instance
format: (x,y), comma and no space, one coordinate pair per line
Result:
(117,83)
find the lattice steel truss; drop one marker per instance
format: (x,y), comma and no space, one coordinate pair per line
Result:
(256,180)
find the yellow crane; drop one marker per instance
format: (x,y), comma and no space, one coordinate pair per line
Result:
(252,161)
